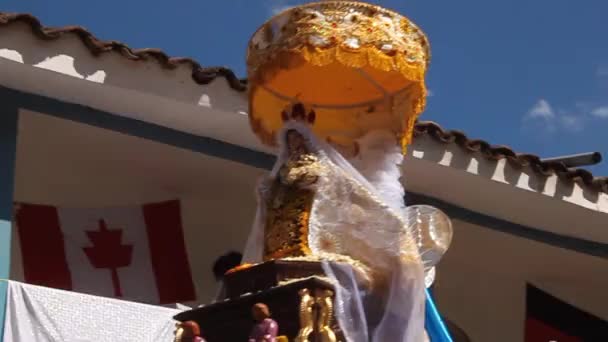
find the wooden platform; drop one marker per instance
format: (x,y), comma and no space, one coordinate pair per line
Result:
(271,283)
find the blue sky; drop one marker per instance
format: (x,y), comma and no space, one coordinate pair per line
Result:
(530,74)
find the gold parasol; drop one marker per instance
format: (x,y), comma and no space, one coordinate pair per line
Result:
(355,67)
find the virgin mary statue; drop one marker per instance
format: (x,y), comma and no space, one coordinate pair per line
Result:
(314,205)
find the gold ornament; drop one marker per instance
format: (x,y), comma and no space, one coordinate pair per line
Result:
(325,304)
(316,314)
(307,303)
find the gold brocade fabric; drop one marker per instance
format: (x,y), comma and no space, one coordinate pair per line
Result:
(361,67)
(289,206)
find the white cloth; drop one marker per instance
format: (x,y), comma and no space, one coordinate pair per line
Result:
(366,226)
(379,161)
(40,314)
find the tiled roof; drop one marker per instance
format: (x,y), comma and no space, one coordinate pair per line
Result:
(200,75)
(205,75)
(517,160)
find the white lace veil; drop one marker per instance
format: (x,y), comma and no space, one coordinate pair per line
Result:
(367,227)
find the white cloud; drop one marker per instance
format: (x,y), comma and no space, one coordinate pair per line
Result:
(541,110)
(572,122)
(600,112)
(549,119)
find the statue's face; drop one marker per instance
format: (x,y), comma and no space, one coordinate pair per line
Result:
(295,142)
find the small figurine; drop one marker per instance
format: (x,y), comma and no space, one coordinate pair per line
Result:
(188,332)
(266,329)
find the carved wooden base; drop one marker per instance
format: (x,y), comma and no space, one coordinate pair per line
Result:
(303,308)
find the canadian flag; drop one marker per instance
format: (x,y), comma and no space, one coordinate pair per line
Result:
(135,253)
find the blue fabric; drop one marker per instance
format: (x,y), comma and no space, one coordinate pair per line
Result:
(433,323)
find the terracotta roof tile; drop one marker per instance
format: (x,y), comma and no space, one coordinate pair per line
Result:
(200,75)
(515,159)
(205,75)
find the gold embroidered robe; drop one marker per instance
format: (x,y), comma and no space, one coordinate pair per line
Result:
(288,208)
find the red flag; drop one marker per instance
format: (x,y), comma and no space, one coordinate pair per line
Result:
(130,253)
(538,331)
(550,319)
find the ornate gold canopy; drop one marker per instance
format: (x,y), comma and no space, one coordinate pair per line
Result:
(359,67)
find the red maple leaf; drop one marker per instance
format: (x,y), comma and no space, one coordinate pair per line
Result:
(108,252)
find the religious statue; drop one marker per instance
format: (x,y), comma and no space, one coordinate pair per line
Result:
(336,87)
(289,200)
(316,206)
(265,329)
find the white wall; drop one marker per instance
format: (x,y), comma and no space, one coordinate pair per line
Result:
(70,164)
(481,282)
